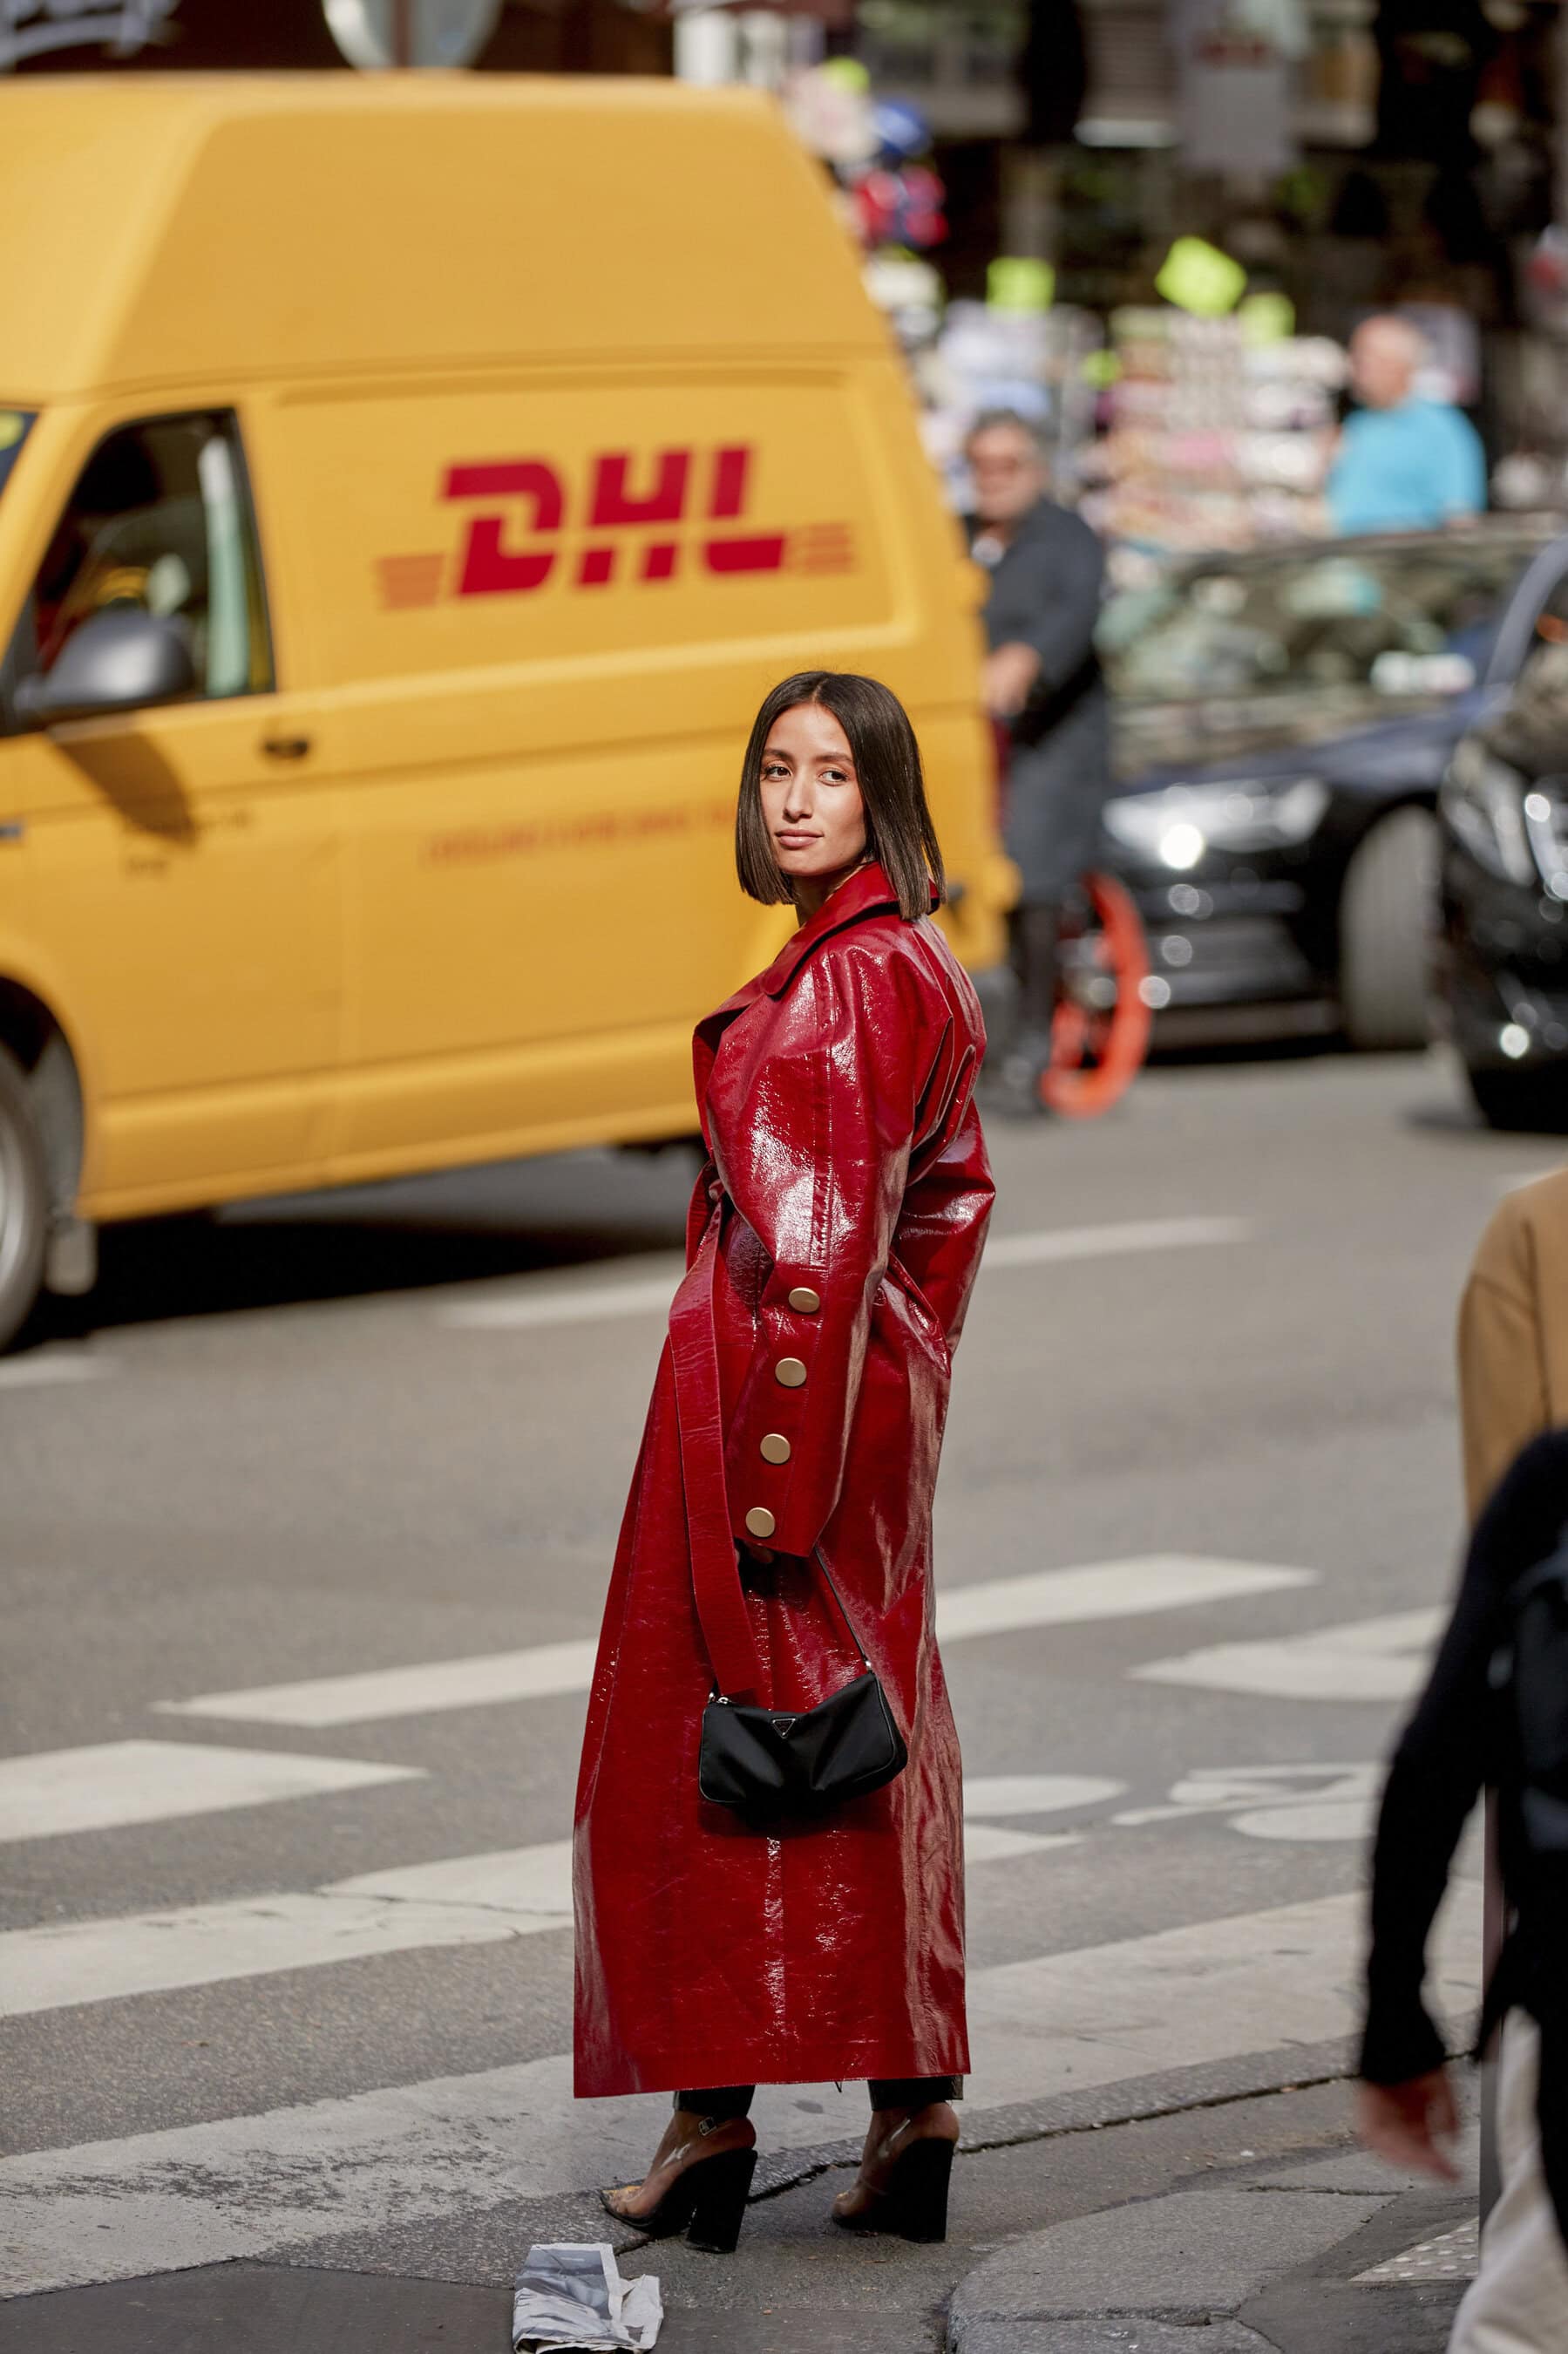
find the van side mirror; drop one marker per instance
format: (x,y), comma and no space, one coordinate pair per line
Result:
(120,660)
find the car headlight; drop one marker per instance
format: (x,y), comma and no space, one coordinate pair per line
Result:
(1483,801)
(1178,824)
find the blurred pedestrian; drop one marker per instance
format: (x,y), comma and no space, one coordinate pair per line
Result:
(1471,1726)
(1513,1332)
(777,1540)
(1044,690)
(1404,463)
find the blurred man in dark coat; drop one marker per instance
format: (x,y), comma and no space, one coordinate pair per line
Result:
(1044,688)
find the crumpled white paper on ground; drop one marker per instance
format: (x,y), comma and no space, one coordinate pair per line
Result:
(570,2299)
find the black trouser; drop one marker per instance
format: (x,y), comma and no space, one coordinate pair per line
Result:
(1035,945)
(724,2102)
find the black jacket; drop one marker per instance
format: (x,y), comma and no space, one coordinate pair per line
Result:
(1454,1743)
(1045,590)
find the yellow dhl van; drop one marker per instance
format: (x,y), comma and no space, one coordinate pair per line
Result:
(407,491)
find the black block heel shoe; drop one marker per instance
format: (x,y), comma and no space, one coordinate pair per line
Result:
(914,2201)
(706,2200)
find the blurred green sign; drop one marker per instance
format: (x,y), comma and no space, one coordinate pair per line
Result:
(1197,277)
(1013,283)
(1267,318)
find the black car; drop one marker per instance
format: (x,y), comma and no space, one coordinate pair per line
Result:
(1503,813)
(1282,722)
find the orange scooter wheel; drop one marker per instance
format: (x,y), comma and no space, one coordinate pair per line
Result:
(1098,1049)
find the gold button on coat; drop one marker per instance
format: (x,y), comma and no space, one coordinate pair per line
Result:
(790,1371)
(806,1300)
(759,1522)
(775,1448)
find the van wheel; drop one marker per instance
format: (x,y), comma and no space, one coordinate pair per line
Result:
(24,1200)
(1522,1100)
(1388,914)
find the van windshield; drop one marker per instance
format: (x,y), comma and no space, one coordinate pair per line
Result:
(14,426)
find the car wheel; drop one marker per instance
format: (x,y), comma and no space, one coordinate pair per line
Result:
(1387,916)
(1537,1100)
(24,1200)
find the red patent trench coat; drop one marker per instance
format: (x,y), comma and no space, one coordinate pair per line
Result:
(833,1236)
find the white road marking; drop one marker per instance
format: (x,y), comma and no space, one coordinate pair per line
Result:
(593,1304)
(471,1900)
(1047,1597)
(1112,1242)
(1369,1658)
(435,1684)
(462,1900)
(1103,1589)
(1274,1802)
(994,1843)
(508,1879)
(1035,1793)
(545,1301)
(243,2186)
(120,1782)
(47,1370)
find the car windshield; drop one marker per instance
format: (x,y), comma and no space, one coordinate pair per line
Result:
(14,426)
(1414,620)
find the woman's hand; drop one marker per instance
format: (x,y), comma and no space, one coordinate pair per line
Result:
(1412,2125)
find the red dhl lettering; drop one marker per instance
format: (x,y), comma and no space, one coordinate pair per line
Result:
(513,544)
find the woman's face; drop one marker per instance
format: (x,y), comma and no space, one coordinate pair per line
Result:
(811,798)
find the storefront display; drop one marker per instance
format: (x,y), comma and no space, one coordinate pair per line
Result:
(1218,435)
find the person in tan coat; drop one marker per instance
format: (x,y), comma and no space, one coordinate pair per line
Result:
(1513,1387)
(1513,1332)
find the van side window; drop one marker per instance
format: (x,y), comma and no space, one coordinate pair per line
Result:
(160,518)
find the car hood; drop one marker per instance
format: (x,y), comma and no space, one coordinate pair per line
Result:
(1329,734)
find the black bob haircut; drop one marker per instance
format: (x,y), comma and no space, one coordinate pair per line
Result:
(898,829)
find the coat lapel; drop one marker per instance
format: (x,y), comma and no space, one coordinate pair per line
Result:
(866,892)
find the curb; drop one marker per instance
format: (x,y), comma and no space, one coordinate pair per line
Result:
(1144,2278)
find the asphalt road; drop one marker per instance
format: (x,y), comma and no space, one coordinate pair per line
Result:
(285,1982)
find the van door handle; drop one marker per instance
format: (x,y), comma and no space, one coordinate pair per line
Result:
(11,829)
(286,747)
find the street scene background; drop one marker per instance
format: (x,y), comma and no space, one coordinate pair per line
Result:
(310,1498)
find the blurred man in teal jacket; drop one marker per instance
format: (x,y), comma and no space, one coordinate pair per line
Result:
(1404,463)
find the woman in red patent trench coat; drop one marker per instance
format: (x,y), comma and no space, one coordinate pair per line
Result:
(833,1235)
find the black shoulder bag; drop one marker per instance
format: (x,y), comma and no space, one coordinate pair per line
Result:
(761,1762)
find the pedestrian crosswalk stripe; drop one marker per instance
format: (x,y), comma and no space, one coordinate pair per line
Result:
(545,1301)
(1132,1236)
(1044,1597)
(51,1369)
(362,1698)
(117,1783)
(591,1304)
(462,1901)
(243,2186)
(996,1843)
(1103,1589)
(1036,1794)
(1384,1659)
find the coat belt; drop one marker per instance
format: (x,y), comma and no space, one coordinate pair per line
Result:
(716,1573)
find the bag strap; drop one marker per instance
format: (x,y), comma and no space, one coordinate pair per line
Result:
(821,1560)
(716,1580)
(716,1575)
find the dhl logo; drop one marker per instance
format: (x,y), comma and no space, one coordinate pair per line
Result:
(513,543)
